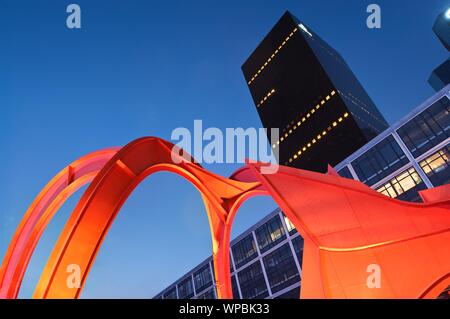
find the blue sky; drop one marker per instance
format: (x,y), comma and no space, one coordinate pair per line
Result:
(139,68)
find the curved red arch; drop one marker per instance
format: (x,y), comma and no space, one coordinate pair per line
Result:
(39,214)
(102,200)
(346,226)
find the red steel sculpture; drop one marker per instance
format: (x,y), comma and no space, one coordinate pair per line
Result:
(346,225)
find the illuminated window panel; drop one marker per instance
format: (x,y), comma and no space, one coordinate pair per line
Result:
(290,226)
(437,166)
(400,184)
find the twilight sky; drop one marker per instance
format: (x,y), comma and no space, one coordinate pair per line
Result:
(140,68)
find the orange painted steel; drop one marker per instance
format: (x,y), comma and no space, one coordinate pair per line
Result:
(346,226)
(85,230)
(39,214)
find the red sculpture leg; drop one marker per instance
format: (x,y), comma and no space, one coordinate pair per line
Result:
(39,214)
(84,232)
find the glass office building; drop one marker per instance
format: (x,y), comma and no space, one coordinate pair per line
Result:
(265,263)
(301,85)
(411,155)
(266,260)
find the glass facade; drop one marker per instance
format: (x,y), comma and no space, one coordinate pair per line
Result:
(427,129)
(186,289)
(437,166)
(244,251)
(378,162)
(202,278)
(170,294)
(270,234)
(404,186)
(303,106)
(291,294)
(234,286)
(209,294)
(281,268)
(274,261)
(297,242)
(345,172)
(252,282)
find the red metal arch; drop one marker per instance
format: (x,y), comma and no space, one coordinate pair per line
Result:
(345,224)
(39,214)
(100,203)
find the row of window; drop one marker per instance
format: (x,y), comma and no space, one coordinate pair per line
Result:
(280,268)
(274,53)
(427,129)
(264,99)
(291,127)
(381,160)
(305,147)
(280,265)
(201,279)
(267,236)
(420,134)
(405,186)
(437,166)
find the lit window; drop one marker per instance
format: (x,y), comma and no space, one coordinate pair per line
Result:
(289,224)
(437,166)
(313,141)
(400,184)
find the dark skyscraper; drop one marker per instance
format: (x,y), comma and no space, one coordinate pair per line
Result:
(440,76)
(304,87)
